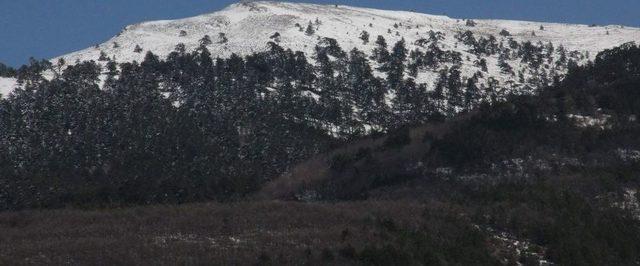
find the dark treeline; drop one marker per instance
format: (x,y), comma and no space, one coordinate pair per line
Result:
(194,127)
(588,115)
(584,124)
(6,71)
(527,165)
(572,208)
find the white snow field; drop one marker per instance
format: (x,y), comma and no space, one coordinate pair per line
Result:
(6,86)
(248,27)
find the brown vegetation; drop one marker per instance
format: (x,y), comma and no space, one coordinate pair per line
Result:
(319,168)
(232,234)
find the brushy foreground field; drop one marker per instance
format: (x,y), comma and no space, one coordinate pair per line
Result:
(237,233)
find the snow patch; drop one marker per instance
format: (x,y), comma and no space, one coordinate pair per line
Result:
(248,27)
(7,85)
(629,202)
(628,155)
(600,121)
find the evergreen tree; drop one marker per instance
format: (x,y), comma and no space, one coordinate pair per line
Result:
(222,38)
(365,91)
(470,23)
(491,90)
(276,37)
(381,52)
(205,41)
(31,75)
(471,93)
(454,86)
(416,61)
(364,36)
(310,29)
(396,67)
(328,89)
(440,87)
(180,48)
(111,74)
(137,49)
(6,71)
(504,66)
(59,65)
(562,57)
(531,54)
(482,63)
(103,56)
(467,38)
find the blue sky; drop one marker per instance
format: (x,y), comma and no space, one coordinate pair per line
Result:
(47,28)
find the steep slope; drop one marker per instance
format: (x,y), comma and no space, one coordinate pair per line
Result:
(244,28)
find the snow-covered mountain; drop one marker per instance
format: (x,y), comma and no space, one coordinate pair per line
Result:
(249,26)
(244,28)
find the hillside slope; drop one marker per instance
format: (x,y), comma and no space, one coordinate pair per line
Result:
(244,28)
(249,26)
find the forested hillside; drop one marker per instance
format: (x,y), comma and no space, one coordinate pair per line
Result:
(555,175)
(273,133)
(195,127)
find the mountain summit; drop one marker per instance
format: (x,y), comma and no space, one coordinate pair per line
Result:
(247,27)
(507,52)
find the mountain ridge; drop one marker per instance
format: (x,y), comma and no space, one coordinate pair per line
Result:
(247,27)
(239,12)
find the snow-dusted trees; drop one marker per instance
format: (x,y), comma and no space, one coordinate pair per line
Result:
(395,69)
(467,38)
(103,56)
(531,54)
(470,23)
(480,46)
(222,38)
(6,71)
(455,90)
(504,66)
(380,52)
(412,104)
(365,90)
(192,127)
(472,93)
(364,36)
(439,90)
(276,37)
(310,29)
(331,84)
(562,57)
(482,64)
(205,41)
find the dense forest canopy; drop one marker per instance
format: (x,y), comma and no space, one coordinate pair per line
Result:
(194,127)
